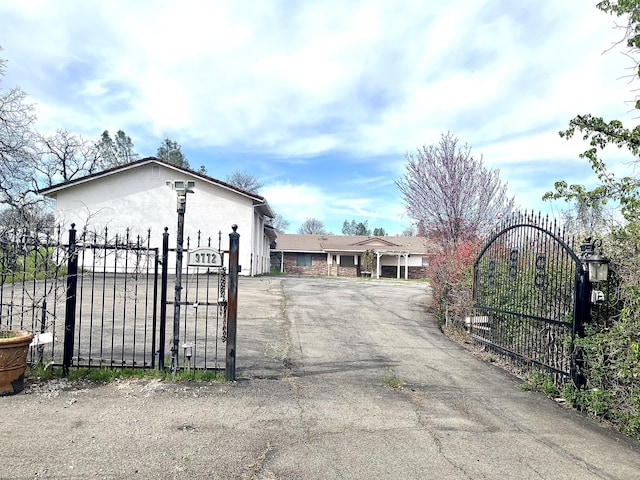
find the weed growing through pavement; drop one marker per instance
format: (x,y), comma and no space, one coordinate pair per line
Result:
(391,380)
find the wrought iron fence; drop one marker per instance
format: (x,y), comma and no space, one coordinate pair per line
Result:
(528,287)
(95,300)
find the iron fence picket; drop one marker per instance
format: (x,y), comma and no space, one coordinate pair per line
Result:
(110,301)
(524,283)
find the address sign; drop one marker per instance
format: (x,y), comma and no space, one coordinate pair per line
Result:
(205,257)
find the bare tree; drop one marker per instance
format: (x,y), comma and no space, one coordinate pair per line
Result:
(65,156)
(450,194)
(312,226)
(279,224)
(17,151)
(245,180)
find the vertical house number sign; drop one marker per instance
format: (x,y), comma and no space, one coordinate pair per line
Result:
(205,257)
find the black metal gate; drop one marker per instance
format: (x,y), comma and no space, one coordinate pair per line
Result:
(97,301)
(529,295)
(201,312)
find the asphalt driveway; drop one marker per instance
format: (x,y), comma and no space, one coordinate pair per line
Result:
(337,379)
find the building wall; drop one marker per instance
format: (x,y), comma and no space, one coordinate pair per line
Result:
(138,199)
(319,267)
(414,272)
(318,264)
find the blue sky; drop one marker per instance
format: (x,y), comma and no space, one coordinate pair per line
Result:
(322,99)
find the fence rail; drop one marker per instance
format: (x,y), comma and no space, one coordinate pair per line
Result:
(107,293)
(528,289)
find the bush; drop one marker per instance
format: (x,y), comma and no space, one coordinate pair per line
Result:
(451,279)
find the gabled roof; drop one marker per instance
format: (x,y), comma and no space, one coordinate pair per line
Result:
(351,244)
(258,200)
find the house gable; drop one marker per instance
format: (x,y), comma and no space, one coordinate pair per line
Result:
(135,198)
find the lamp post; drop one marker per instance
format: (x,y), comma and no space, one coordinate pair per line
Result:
(181,187)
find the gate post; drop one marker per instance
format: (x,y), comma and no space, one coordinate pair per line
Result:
(70,307)
(232,312)
(582,302)
(163,298)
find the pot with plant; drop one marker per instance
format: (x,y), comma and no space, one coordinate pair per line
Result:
(14,347)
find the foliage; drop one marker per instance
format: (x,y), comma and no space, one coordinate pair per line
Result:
(171,152)
(312,226)
(541,381)
(450,194)
(379,232)
(391,380)
(103,375)
(356,228)
(116,151)
(245,181)
(610,347)
(18,265)
(451,279)
(369,261)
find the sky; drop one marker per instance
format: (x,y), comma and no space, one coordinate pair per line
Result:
(322,100)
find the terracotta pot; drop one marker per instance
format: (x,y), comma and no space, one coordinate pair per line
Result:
(14,347)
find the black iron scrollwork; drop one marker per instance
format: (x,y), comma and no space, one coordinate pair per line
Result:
(491,275)
(513,258)
(541,266)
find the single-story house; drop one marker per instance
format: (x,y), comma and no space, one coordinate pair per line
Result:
(342,255)
(138,197)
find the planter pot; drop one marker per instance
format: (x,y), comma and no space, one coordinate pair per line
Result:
(14,347)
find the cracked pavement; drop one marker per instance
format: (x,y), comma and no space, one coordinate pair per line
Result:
(337,379)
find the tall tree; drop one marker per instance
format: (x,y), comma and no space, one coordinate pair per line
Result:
(170,151)
(602,133)
(280,224)
(245,180)
(116,151)
(379,232)
(450,194)
(17,145)
(312,226)
(356,228)
(65,156)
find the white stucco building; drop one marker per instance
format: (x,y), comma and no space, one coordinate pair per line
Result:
(135,196)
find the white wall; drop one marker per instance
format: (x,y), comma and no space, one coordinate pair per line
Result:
(392,261)
(139,199)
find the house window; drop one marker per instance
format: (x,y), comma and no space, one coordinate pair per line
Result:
(155,171)
(303,260)
(425,262)
(347,261)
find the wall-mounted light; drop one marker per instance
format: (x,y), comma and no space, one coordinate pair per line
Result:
(596,263)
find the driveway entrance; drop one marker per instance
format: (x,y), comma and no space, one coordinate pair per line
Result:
(337,378)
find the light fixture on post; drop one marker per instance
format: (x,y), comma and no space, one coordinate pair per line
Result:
(181,187)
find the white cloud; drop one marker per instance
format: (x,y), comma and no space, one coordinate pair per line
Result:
(292,80)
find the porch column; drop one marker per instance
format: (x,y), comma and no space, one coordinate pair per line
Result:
(406,266)
(337,264)
(328,264)
(378,266)
(398,267)
(282,262)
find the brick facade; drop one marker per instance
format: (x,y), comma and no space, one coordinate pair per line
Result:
(319,268)
(318,264)
(414,272)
